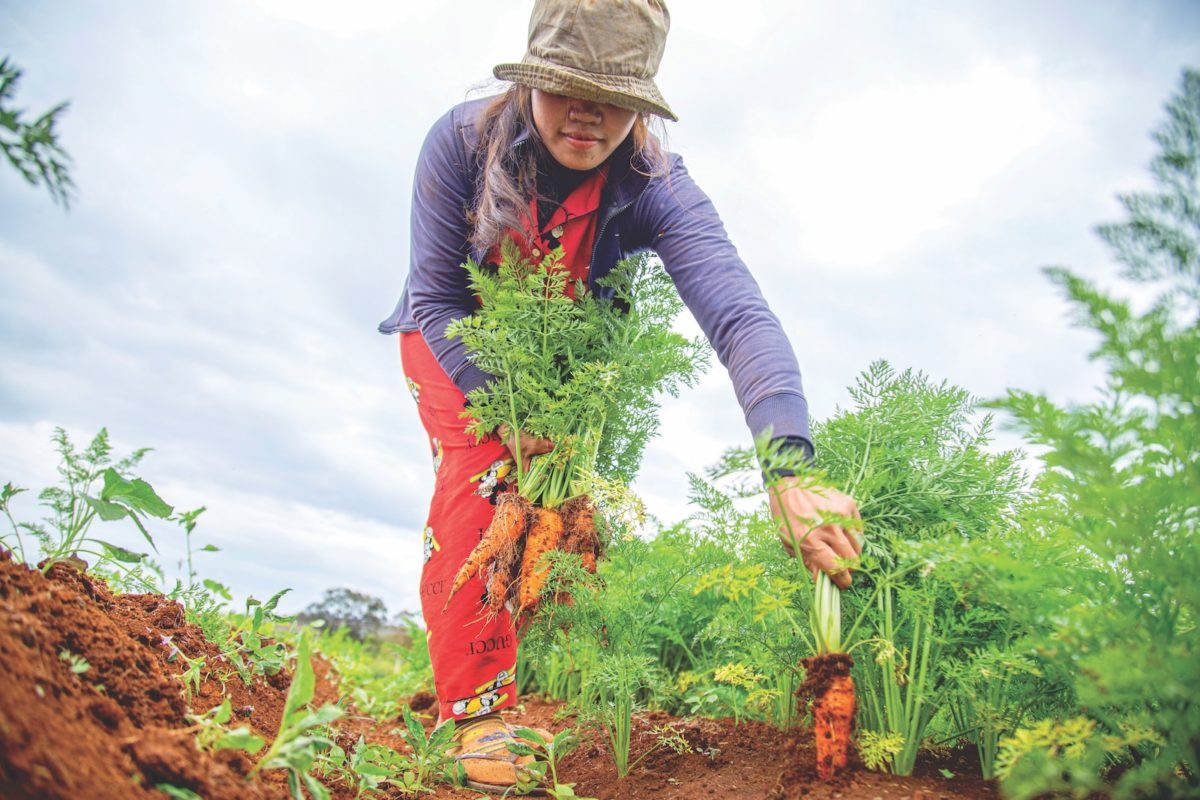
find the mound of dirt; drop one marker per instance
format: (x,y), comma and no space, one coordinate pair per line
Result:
(113,727)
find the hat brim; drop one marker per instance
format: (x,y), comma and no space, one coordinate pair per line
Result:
(635,94)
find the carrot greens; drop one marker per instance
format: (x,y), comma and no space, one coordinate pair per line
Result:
(584,373)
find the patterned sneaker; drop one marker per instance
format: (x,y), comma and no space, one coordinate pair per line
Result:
(482,749)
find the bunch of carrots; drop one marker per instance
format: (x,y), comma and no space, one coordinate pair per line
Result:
(582,369)
(513,550)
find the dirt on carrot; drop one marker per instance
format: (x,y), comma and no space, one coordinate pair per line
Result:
(828,683)
(507,526)
(581,537)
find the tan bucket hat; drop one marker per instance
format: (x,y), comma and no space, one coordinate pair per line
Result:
(607,51)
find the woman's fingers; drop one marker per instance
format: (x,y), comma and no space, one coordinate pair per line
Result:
(528,445)
(843,543)
(825,558)
(856,535)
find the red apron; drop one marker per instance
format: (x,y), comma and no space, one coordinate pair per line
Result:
(474,658)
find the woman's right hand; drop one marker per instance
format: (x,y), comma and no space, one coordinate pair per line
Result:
(530,445)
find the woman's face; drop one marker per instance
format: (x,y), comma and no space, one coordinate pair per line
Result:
(580,134)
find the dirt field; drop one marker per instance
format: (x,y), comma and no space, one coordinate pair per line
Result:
(118,728)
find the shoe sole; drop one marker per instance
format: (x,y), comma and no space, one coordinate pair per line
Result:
(488,787)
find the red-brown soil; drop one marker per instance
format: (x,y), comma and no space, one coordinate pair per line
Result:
(119,728)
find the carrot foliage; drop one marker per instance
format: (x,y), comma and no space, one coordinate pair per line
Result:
(584,373)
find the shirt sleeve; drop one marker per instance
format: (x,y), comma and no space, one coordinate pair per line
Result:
(437,283)
(687,233)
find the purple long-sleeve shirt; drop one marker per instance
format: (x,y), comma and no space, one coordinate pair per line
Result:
(668,214)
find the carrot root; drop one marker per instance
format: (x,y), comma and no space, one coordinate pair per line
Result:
(581,538)
(505,529)
(545,534)
(829,683)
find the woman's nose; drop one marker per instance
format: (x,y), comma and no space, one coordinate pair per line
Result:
(583,110)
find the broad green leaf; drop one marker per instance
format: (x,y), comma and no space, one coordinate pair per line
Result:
(120,553)
(136,493)
(241,738)
(300,693)
(294,785)
(520,749)
(224,712)
(210,548)
(528,734)
(416,733)
(374,770)
(142,528)
(217,588)
(269,606)
(109,512)
(316,788)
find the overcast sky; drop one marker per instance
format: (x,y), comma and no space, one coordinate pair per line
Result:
(894,173)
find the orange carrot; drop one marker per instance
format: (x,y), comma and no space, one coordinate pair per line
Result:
(507,525)
(545,534)
(828,680)
(579,516)
(497,589)
(504,577)
(833,718)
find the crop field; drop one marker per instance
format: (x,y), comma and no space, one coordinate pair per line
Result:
(1008,633)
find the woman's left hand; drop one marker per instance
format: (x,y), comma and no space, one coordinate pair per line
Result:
(799,511)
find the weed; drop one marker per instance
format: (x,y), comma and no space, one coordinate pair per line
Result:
(211,733)
(544,770)
(297,744)
(79,664)
(430,756)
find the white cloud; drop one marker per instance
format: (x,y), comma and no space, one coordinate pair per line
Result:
(878,171)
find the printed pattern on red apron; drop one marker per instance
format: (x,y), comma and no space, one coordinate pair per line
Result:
(474,658)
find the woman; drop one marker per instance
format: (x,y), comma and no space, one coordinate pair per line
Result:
(565,159)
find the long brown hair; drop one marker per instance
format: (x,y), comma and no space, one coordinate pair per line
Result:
(506,180)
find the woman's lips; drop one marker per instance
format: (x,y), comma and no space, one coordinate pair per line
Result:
(580,141)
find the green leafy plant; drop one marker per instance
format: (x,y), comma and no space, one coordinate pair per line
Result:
(193,592)
(367,770)
(191,677)
(916,460)
(430,756)
(543,772)
(1118,512)
(212,733)
(257,652)
(79,664)
(877,751)
(610,632)
(377,673)
(32,148)
(298,742)
(92,487)
(583,373)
